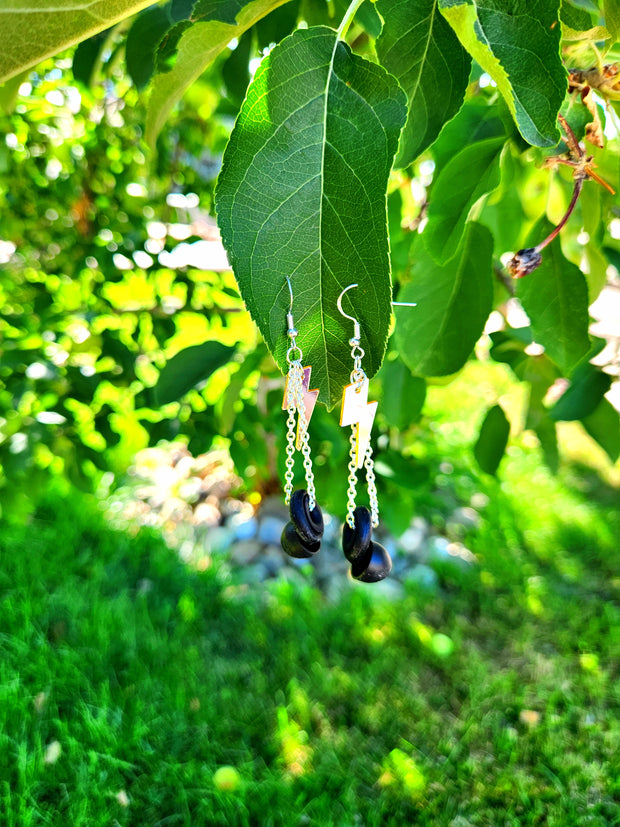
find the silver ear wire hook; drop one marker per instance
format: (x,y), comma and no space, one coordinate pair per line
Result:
(356,324)
(356,333)
(292,332)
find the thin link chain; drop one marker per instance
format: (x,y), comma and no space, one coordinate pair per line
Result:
(369,465)
(305,443)
(357,353)
(352,490)
(295,405)
(291,406)
(358,376)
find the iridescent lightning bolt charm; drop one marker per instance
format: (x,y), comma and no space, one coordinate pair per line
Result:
(301,537)
(309,401)
(357,410)
(369,560)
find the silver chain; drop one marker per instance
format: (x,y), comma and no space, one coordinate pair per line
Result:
(371,483)
(357,377)
(357,354)
(352,490)
(295,405)
(369,465)
(290,438)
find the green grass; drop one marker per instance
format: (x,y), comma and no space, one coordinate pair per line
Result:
(493,701)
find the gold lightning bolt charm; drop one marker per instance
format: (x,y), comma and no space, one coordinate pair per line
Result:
(357,410)
(309,401)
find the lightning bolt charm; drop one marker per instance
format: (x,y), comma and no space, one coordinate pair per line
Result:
(309,401)
(357,410)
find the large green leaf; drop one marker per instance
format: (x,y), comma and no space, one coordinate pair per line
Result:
(492,440)
(403,394)
(541,373)
(555,297)
(10,90)
(277,25)
(406,472)
(453,304)
(468,176)
(31,30)
(142,40)
(86,58)
(302,193)
(603,425)
(189,368)
(588,386)
(366,16)
(575,19)
(517,42)
(612,17)
(476,121)
(419,48)
(196,49)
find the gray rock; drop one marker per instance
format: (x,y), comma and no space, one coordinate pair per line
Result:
(400,564)
(274,507)
(243,526)
(388,542)
(273,559)
(245,552)
(336,587)
(329,561)
(412,541)
(218,538)
(333,530)
(270,528)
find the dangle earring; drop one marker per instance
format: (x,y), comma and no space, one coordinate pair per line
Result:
(370,561)
(302,536)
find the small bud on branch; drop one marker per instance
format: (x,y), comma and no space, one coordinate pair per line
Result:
(527,260)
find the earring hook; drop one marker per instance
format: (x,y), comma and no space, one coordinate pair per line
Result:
(356,324)
(339,303)
(291,332)
(290,290)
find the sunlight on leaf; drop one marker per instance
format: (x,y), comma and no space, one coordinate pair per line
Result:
(302,194)
(30,33)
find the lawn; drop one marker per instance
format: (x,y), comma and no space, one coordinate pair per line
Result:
(130,681)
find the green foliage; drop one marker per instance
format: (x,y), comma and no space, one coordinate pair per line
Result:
(198,46)
(492,441)
(517,43)
(611,10)
(588,386)
(128,679)
(102,347)
(31,33)
(335,118)
(476,167)
(190,367)
(555,297)
(603,426)
(419,48)
(438,341)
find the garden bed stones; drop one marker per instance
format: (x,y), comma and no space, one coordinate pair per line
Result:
(192,501)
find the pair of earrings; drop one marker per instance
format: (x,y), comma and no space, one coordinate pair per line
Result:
(301,537)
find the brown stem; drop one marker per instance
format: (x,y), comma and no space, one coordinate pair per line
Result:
(504,280)
(578,187)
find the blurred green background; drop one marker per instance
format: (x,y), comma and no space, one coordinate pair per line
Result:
(148,675)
